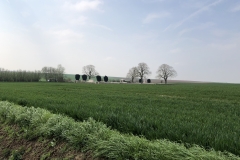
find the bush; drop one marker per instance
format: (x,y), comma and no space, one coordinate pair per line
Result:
(99,78)
(84,77)
(105,78)
(77,77)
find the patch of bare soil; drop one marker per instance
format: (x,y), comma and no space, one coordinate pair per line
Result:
(14,146)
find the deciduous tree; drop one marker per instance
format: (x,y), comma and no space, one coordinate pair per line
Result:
(90,71)
(132,73)
(60,72)
(54,73)
(165,71)
(143,70)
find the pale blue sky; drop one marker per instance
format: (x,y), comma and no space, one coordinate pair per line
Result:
(200,39)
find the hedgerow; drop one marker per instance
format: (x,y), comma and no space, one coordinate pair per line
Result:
(96,137)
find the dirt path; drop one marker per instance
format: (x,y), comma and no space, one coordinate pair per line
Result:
(12,145)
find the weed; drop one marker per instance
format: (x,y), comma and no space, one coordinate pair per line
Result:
(45,156)
(17,154)
(6,152)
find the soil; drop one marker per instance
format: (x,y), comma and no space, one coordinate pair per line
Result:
(14,146)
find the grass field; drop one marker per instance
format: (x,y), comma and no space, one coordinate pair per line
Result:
(203,114)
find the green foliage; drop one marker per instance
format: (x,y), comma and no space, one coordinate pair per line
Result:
(99,78)
(105,78)
(98,138)
(84,77)
(45,156)
(203,114)
(6,152)
(17,154)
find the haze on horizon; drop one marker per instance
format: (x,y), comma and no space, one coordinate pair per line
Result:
(199,39)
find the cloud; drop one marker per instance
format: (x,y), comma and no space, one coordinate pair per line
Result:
(199,11)
(200,27)
(168,27)
(236,8)
(83,5)
(151,17)
(103,27)
(79,21)
(66,35)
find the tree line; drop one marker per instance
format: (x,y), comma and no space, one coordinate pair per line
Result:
(57,74)
(19,76)
(47,73)
(142,71)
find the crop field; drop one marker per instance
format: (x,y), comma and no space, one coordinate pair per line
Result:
(203,114)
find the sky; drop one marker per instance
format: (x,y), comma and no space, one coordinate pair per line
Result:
(200,39)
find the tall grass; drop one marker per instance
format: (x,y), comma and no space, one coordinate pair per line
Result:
(203,114)
(98,138)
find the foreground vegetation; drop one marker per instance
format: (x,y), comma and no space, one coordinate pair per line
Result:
(14,146)
(203,114)
(98,138)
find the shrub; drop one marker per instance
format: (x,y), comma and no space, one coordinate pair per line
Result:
(77,77)
(105,78)
(99,78)
(84,77)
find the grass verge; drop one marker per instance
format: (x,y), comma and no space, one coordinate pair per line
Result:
(98,138)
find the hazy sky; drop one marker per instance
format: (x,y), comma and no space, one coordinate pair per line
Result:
(200,39)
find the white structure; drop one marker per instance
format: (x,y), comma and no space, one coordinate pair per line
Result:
(90,81)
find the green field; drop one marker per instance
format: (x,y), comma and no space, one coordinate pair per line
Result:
(203,114)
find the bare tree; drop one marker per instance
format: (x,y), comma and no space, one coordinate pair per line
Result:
(132,73)
(45,73)
(49,72)
(143,70)
(165,71)
(60,72)
(90,71)
(53,73)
